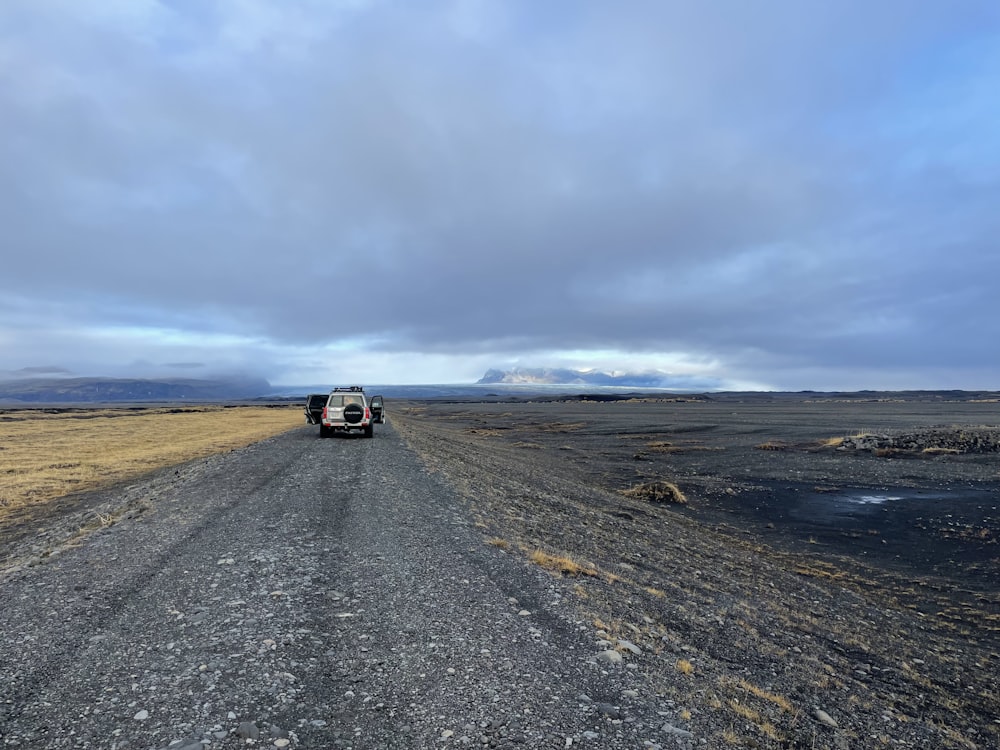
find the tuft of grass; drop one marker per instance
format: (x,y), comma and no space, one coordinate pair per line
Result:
(936,450)
(662,446)
(660,491)
(562,564)
(819,572)
(748,713)
(657,444)
(684,666)
(773,445)
(730,737)
(498,542)
(779,701)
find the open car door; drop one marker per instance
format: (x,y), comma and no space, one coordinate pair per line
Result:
(378,409)
(314,407)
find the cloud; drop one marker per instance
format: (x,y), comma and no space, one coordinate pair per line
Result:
(792,193)
(40,370)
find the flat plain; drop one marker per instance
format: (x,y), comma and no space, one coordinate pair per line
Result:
(810,554)
(806,572)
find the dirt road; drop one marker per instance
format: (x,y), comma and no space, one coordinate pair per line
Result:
(300,593)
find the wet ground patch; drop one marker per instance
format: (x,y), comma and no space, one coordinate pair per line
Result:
(949,532)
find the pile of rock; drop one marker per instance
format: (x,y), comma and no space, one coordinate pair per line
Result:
(931,441)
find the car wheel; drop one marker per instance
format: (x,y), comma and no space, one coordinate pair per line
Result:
(369,431)
(323,431)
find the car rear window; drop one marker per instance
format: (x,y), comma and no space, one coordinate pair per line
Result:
(342,400)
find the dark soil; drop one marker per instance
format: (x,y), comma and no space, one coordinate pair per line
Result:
(808,568)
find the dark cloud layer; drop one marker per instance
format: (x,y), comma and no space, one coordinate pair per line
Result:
(785,194)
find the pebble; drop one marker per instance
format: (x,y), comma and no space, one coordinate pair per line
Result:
(248,730)
(141,715)
(609,710)
(610,657)
(676,731)
(825,718)
(629,646)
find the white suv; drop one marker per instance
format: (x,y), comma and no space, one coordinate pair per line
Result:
(347,409)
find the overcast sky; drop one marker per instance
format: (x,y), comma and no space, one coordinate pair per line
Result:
(771,194)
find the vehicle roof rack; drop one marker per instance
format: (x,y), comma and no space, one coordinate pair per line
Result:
(348,389)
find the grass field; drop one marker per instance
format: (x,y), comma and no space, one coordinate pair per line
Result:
(47,455)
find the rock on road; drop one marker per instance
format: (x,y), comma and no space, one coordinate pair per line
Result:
(302,593)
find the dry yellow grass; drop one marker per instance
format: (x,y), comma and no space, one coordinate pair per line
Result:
(44,456)
(563,564)
(656,492)
(778,700)
(773,445)
(936,450)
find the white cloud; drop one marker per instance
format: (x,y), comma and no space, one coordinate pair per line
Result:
(760,194)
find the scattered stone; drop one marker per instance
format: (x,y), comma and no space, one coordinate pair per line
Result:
(676,731)
(141,715)
(610,657)
(609,710)
(825,718)
(248,731)
(629,646)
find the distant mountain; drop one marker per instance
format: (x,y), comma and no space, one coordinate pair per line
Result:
(562,376)
(95,390)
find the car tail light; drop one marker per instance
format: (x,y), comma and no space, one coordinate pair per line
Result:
(368,414)
(324,412)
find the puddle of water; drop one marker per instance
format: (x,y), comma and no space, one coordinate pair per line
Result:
(943,531)
(837,508)
(871,499)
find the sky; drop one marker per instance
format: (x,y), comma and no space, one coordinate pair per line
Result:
(776,195)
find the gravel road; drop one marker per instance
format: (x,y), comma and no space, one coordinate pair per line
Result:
(303,593)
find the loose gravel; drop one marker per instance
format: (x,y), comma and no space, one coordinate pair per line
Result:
(304,593)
